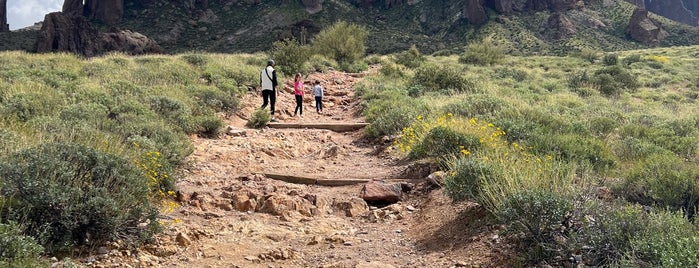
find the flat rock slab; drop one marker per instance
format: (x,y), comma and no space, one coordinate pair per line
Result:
(315,181)
(337,127)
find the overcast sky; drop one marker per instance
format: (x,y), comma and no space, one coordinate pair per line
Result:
(23,13)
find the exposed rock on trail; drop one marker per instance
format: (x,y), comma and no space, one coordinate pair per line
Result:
(232,215)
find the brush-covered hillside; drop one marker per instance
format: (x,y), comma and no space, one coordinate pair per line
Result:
(238,26)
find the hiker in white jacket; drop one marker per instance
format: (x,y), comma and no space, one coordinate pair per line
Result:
(268,82)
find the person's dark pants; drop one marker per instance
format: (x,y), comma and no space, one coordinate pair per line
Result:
(268,96)
(299,104)
(319,104)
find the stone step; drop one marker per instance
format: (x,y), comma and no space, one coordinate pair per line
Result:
(314,181)
(336,127)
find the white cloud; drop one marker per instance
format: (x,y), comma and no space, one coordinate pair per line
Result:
(23,13)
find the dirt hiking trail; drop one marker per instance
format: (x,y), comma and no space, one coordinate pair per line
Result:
(230,214)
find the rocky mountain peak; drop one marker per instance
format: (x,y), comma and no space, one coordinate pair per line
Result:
(4,27)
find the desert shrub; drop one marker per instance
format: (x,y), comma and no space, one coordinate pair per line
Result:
(388,116)
(663,180)
(196,59)
(610,59)
(476,105)
(667,240)
(320,63)
(485,52)
(538,216)
(18,250)
(219,101)
(606,231)
(613,80)
(465,177)
(90,112)
(679,136)
(508,72)
(628,60)
(601,126)
(290,56)
(632,148)
(69,195)
(580,83)
(444,79)
(392,70)
(354,67)
(589,55)
(156,135)
(343,42)
(443,142)
(574,147)
(211,126)
(411,58)
(259,118)
(25,106)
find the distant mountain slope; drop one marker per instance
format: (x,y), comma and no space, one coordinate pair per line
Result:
(432,25)
(522,26)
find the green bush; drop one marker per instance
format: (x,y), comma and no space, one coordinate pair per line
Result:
(613,80)
(476,105)
(539,216)
(320,63)
(411,58)
(509,72)
(444,79)
(196,59)
(602,126)
(574,147)
(465,177)
(443,142)
(69,195)
(589,55)
(344,42)
(353,67)
(390,114)
(259,119)
(25,106)
(290,56)
(663,180)
(211,126)
(605,234)
(156,135)
(485,52)
(391,70)
(628,60)
(610,59)
(18,250)
(219,101)
(668,240)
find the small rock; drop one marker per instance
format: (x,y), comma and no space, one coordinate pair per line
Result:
(410,208)
(183,240)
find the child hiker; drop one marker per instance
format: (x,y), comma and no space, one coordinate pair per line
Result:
(318,93)
(298,94)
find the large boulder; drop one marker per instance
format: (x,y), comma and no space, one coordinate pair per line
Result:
(560,25)
(68,33)
(644,29)
(4,27)
(381,192)
(313,6)
(108,11)
(61,32)
(474,12)
(129,42)
(501,6)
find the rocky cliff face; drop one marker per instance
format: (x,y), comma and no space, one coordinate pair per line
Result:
(684,11)
(644,29)
(4,27)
